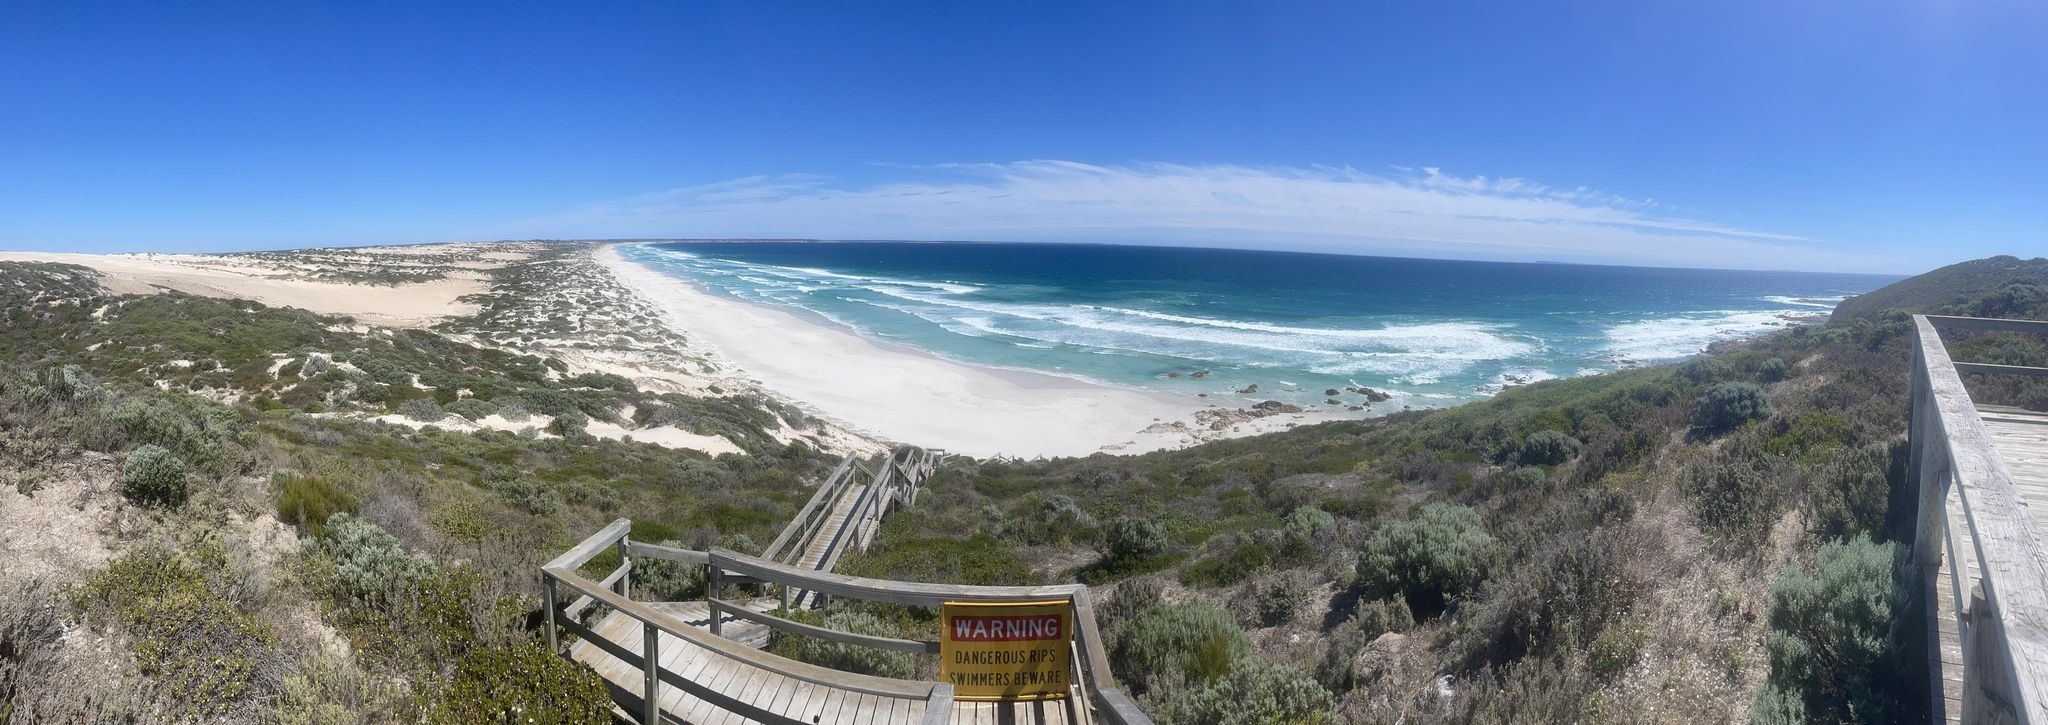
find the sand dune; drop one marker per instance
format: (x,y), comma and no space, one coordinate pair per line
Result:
(403,305)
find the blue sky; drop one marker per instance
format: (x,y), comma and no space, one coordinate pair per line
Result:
(1858,136)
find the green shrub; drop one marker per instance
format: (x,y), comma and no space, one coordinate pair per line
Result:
(1385,615)
(1276,601)
(424,410)
(1255,691)
(1129,539)
(841,656)
(153,475)
(189,637)
(368,562)
(1772,370)
(1170,645)
(309,500)
(1852,493)
(1729,405)
(569,424)
(1549,448)
(1310,526)
(1526,478)
(1831,635)
(472,408)
(601,381)
(657,580)
(1435,558)
(1737,495)
(1234,564)
(522,683)
(1706,371)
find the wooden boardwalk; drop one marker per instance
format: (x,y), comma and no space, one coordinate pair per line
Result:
(714,670)
(1982,473)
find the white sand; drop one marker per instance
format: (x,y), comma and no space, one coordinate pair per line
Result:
(405,305)
(908,395)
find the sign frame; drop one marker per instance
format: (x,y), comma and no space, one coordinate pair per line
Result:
(1011,635)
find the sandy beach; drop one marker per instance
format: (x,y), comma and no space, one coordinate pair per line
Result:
(908,395)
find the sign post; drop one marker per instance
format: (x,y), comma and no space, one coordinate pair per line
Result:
(1007,651)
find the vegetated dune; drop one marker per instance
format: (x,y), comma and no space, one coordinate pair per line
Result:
(1944,287)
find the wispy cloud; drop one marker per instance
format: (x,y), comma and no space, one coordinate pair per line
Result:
(1412,211)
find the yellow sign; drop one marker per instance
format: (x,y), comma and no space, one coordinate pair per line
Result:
(1007,651)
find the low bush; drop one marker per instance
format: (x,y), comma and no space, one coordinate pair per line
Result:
(189,637)
(472,408)
(1128,539)
(1275,601)
(1772,370)
(1255,691)
(1831,636)
(1737,495)
(368,562)
(1435,558)
(1549,448)
(155,476)
(522,683)
(1234,564)
(667,581)
(309,501)
(1727,406)
(1168,646)
(424,410)
(1310,526)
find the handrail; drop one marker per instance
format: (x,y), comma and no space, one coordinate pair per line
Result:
(807,672)
(914,594)
(903,469)
(894,644)
(804,513)
(2005,639)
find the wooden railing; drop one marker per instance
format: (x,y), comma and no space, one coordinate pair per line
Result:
(2003,626)
(562,573)
(1095,696)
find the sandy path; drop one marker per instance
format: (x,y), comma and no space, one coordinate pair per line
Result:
(904,394)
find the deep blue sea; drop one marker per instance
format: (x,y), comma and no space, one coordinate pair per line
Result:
(1432,332)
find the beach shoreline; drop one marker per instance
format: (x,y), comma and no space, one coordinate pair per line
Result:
(900,393)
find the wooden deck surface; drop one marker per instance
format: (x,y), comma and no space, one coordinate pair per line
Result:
(2021,437)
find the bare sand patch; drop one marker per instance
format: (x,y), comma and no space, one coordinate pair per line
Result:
(401,305)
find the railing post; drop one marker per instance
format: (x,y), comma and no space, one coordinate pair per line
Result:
(549,604)
(711,591)
(650,669)
(625,585)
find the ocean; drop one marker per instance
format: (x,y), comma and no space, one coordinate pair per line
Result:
(1193,321)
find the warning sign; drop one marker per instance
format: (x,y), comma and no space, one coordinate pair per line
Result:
(1019,651)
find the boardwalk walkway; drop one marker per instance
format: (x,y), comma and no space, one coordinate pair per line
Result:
(1982,471)
(714,670)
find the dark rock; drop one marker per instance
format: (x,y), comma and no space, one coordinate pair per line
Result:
(1271,407)
(1199,374)
(1334,401)
(1375,395)
(1174,374)
(1331,393)
(1249,389)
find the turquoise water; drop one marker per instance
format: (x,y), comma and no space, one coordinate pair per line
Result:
(1432,332)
